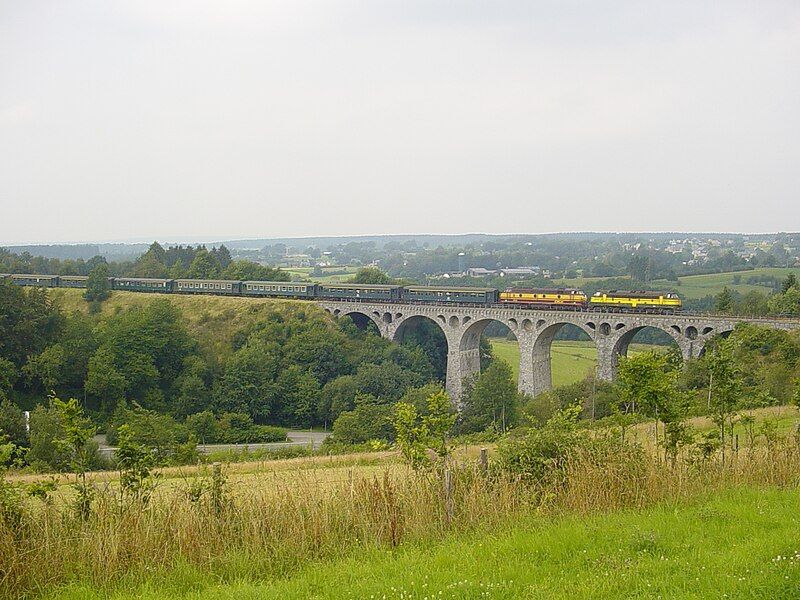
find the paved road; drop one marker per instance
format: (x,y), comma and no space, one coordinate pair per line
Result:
(294,439)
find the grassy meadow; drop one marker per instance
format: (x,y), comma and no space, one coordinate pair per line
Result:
(362,526)
(571,361)
(698,286)
(739,544)
(305,273)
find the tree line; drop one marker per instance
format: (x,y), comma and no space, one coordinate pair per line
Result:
(175,262)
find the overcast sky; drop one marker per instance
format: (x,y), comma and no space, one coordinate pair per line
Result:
(229,119)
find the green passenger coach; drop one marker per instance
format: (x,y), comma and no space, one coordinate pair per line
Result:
(221,287)
(279,289)
(35,280)
(143,284)
(466,295)
(74,281)
(360,291)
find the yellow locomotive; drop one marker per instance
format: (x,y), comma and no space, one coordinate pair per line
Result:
(547,298)
(657,302)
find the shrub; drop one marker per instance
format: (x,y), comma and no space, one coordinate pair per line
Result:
(541,453)
(368,421)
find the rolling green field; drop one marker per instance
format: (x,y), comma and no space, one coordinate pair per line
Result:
(570,361)
(741,543)
(305,273)
(698,286)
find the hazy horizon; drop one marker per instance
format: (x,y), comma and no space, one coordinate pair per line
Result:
(223,239)
(182,120)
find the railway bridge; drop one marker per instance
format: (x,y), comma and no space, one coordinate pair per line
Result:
(535,330)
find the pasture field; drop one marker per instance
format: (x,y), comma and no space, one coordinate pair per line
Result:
(305,273)
(364,526)
(699,286)
(571,361)
(741,543)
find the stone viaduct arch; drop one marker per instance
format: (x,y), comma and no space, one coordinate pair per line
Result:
(535,331)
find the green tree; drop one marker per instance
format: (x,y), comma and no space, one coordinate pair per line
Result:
(204,426)
(788,283)
(411,434)
(135,463)
(386,381)
(245,270)
(142,352)
(723,303)
(416,432)
(222,255)
(98,287)
(492,402)
(647,384)
(159,433)
(78,431)
(29,321)
(204,265)
(8,376)
(639,267)
(48,368)
(298,392)
(152,263)
(439,421)
(370,275)
(337,396)
(44,454)
(367,421)
(248,384)
(787,303)
(12,423)
(725,387)
(104,381)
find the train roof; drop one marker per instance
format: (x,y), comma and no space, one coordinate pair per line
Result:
(437,288)
(20,275)
(207,280)
(257,282)
(545,290)
(150,279)
(360,286)
(74,277)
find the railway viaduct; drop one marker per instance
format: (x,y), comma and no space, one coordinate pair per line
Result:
(535,330)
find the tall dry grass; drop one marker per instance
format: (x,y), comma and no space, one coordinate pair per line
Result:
(270,530)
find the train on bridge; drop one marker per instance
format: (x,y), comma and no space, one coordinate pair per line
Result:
(531,298)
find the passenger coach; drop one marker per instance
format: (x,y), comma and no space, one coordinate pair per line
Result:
(360,291)
(35,280)
(220,287)
(140,284)
(279,289)
(466,295)
(73,281)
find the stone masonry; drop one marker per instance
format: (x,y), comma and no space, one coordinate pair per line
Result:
(535,329)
